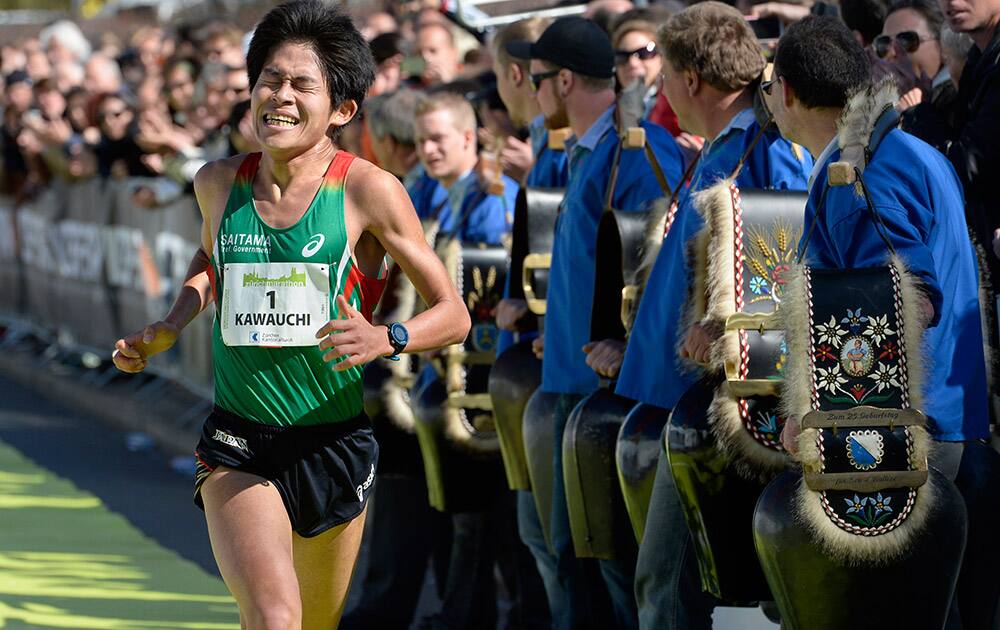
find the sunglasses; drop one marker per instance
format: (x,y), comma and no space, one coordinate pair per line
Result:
(536,79)
(645,53)
(767,86)
(908,40)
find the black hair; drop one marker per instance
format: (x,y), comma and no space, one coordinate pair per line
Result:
(864,16)
(343,53)
(929,9)
(822,61)
(386,46)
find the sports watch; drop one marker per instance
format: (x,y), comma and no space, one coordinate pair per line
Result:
(398,338)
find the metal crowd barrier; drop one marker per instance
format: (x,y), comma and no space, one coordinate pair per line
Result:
(84,263)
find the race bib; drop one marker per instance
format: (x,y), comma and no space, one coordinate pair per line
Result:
(274,304)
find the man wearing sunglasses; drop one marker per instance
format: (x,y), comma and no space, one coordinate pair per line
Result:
(572,72)
(919,204)
(910,41)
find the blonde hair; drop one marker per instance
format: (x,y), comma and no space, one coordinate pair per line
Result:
(714,40)
(462,113)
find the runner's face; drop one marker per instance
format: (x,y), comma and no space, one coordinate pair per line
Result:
(291,101)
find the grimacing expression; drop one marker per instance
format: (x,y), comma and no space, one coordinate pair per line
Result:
(442,147)
(290,101)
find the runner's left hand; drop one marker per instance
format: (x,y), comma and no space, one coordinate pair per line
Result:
(352,337)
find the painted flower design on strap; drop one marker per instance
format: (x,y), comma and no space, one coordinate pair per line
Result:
(830,379)
(878,328)
(854,319)
(829,332)
(869,510)
(886,376)
(855,358)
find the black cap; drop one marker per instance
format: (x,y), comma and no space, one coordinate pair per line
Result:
(18,76)
(574,43)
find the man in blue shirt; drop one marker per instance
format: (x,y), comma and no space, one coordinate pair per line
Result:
(572,69)
(455,193)
(919,199)
(545,168)
(540,166)
(712,90)
(453,190)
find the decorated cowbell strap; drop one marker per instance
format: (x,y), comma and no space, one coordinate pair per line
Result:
(887,121)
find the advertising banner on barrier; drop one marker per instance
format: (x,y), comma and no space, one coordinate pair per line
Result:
(86,262)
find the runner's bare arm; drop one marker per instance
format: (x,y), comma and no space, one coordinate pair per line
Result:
(212,184)
(378,204)
(132,352)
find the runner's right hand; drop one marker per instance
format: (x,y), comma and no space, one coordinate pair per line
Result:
(132,352)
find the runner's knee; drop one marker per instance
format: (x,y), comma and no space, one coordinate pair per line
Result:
(273,613)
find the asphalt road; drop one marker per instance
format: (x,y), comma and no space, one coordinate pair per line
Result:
(95,534)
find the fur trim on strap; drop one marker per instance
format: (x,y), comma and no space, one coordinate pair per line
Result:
(457,426)
(653,240)
(751,459)
(847,547)
(713,302)
(854,129)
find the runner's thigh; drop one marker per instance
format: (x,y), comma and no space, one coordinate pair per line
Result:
(324,565)
(252,541)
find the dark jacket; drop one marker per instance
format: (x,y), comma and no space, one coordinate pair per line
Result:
(974,150)
(933,120)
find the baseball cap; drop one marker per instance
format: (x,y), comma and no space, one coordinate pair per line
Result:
(574,43)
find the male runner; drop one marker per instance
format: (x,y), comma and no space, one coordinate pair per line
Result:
(291,239)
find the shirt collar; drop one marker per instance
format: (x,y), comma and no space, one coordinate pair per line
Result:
(822,159)
(941,77)
(739,122)
(604,123)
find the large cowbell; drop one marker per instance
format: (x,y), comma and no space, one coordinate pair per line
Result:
(598,518)
(866,536)
(638,446)
(517,373)
(637,452)
(531,253)
(454,421)
(542,206)
(723,440)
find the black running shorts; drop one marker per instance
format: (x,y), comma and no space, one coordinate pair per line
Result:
(324,473)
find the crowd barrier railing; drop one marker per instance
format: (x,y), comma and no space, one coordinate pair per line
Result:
(86,264)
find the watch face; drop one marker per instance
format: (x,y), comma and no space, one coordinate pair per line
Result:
(399,334)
